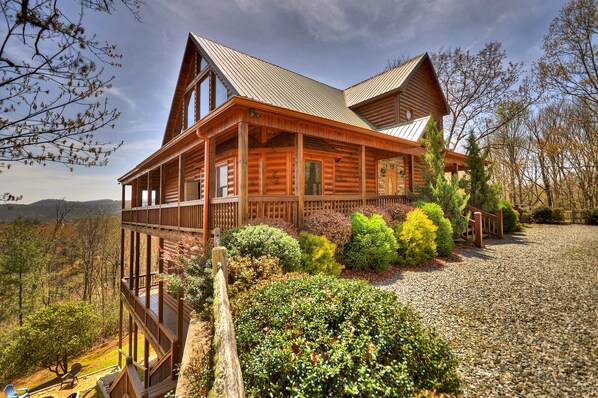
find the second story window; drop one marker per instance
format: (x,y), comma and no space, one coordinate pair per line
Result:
(222,181)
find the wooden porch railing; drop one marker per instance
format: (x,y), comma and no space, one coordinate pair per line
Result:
(224,212)
(483,223)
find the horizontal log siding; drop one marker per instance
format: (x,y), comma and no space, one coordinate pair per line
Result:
(422,97)
(371,171)
(381,113)
(346,174)
(171,182)
(193,164)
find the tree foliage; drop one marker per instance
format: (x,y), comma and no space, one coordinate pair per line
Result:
(482,194)
(570,61)
(52,82)
(22,262)
(436,188)
(51,336)
(475,84)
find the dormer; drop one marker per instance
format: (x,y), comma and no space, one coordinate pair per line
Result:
(401,94)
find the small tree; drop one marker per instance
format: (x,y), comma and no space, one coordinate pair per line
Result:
(436,188)
(481,194)
(51,336)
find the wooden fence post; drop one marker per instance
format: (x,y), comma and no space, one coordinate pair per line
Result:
(499,225)
(477,240)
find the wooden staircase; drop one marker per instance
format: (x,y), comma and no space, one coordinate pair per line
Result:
(483,225)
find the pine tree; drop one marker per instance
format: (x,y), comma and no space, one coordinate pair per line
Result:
(436,188)
(481,194)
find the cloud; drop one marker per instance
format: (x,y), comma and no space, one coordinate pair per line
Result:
(118,93)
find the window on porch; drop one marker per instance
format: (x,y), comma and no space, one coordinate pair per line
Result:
(222,181)
(313,177)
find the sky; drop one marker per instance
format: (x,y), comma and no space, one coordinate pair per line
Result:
(338,42)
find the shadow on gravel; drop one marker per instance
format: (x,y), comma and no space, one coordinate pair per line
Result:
(395,273)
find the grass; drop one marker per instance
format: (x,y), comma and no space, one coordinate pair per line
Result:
(99,357)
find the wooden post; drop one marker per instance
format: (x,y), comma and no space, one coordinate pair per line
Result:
(146,348)
(455,169)
(131,260)
(122,205)
(181,190)
(300,178)
(130,335)
(137,255)
(161,285)
(411,173)
(242,165)
(135,338)
(160,195)
(499,225)
(148,269)
(362,176)
(477,217)
(209,155)
(120,307)
(179,327)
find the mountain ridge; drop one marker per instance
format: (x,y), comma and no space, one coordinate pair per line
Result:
(45,210)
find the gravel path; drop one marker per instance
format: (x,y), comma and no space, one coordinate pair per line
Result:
(520,314)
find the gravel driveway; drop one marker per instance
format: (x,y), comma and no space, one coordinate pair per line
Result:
(520,314)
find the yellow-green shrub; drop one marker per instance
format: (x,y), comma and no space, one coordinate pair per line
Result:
(416,238)
(317,255)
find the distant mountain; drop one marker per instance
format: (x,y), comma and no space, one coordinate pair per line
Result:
(47,209)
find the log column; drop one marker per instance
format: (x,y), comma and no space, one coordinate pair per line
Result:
(161,285)
(209,156)
(477,217)
(362,176)
(243,153)
(411,173)
(299,178)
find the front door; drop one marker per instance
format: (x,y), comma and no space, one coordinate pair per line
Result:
(390,182)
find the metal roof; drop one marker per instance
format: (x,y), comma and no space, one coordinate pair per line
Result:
(382,83)
(412,130)
(265,82)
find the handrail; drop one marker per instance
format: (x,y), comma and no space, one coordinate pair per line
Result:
(137,364)
(228,199)
(156,367)
(484,213)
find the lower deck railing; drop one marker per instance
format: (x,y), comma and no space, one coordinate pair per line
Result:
(224,212)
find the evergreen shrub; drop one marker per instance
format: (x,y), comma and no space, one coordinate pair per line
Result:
(372,246)
(444,233)
(546,215)
(370,210)
(592,217)
(263,240)
(317,255)
(277,223)
(510,217)
(321,336)
(416,238)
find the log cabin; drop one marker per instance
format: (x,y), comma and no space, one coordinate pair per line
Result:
(244,139)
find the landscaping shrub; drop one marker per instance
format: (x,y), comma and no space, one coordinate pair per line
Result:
(558,215)
(444,233)
(322,336)
(245,272)
(510,217)
(398,211)
(416,238)
(194,276)
(369,210)
(546,215)
(331,224)
(317,255)
(277,223)
(263,240)
(372,246)
(591,217)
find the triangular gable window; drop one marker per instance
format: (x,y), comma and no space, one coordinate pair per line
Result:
(204,93)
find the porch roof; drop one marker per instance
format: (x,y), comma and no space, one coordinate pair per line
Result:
(412,130)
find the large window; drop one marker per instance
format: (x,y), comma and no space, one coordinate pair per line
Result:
(204,97)
(313,178)
(190,112)
(221,181)
(221,93)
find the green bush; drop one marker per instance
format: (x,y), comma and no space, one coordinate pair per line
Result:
(317,255)
(592,217)
(275,222)
(244,273)
(370,210)
(542,214)
(545,215)
(416,238)
(510,217)
(558,215)
(444,233)
(331,224)
(263,240)
(326,337)
(372,246)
